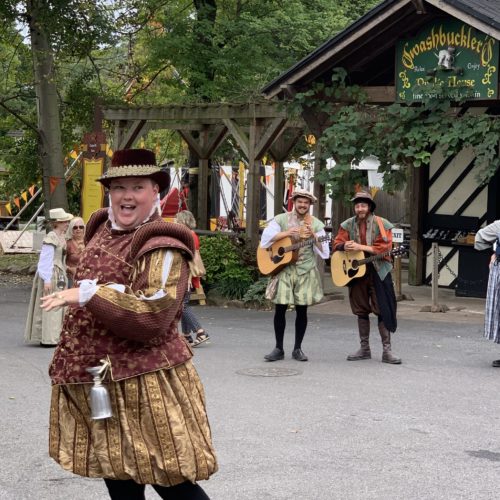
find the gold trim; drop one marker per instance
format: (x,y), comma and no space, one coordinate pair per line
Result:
(144,469)
(130,170)
(159,413)
(113,432)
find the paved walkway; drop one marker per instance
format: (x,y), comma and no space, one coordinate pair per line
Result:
(460,309)
(323,430)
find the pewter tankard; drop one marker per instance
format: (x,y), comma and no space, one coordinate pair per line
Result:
(100,404)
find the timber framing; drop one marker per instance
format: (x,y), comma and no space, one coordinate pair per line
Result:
(257,128)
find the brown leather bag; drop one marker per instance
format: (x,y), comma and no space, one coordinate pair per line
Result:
(196,265)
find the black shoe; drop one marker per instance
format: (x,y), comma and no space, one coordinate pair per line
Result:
(299,355)
(496,363)
(275,355)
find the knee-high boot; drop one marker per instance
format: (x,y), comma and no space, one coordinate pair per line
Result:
(387,356)
(364,334)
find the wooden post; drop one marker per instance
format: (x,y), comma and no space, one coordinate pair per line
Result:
(279,187)
(435,275)
(203,215)
(397,276)
(416,207)
(253,187)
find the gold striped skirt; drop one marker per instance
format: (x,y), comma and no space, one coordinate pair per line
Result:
(159,432)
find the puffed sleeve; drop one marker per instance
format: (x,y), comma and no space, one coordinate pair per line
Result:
(149,305)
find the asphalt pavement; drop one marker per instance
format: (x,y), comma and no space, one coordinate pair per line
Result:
(321,430)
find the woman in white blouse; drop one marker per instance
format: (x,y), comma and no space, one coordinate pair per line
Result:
(41,326)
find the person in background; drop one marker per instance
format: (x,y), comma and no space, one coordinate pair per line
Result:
(489,237)
(300,282)
(131,278)
(373,292)
(189,322)
(42,326)
(74,246)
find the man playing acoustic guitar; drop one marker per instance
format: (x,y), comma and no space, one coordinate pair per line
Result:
(374,291)
(300,282)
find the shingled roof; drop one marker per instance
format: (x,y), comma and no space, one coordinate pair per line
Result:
(376,34)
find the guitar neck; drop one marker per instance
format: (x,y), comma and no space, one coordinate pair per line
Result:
(379,256)
(304,243)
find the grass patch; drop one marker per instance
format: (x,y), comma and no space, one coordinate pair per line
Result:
(17,259)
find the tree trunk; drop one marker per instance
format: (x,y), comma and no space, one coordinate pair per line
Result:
(49,138)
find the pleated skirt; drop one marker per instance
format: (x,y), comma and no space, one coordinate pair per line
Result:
(159,432)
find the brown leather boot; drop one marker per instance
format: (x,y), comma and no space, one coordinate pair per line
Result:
(364,334)
(387,356)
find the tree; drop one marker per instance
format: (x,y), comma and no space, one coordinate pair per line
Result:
(52,30)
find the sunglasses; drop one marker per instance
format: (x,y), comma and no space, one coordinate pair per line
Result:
(78,227)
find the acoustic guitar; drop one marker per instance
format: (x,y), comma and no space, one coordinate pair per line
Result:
(281,253)
(346,266)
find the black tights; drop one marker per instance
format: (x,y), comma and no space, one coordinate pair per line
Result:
(280,324)
(130,490)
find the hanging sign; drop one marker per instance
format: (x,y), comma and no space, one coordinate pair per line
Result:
(447,59)
(92,197)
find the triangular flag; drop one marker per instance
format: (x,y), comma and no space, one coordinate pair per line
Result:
(7,207)
(32,190)
(373,191)
(24,196)
(54,182)
(17,202)
(73,154)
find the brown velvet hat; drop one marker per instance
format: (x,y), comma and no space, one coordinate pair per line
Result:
(364,197)
(135,163)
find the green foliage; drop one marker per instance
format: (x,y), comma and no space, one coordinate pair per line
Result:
(398,135)
(224,261)
(255,294)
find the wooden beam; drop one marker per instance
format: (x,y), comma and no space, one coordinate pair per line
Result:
(199,112)
(132,134)
(192,142)
(274,129)
(214,141)
(419,6)
(240,136)
(285,142)
(119,132)
(467,18)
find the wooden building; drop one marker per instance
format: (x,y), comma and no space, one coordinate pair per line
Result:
(387,52)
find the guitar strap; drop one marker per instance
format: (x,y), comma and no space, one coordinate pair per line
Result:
(381,227)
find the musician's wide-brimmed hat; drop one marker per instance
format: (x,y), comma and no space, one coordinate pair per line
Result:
(135,163)
(59,215)
(365,197)
(303,193)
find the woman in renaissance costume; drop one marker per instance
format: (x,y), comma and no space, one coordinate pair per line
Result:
(45,326)
(74,246)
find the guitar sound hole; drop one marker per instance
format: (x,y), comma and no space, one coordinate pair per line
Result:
(354,264)
(281,251)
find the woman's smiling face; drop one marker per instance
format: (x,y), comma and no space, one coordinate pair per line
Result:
(132,199)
